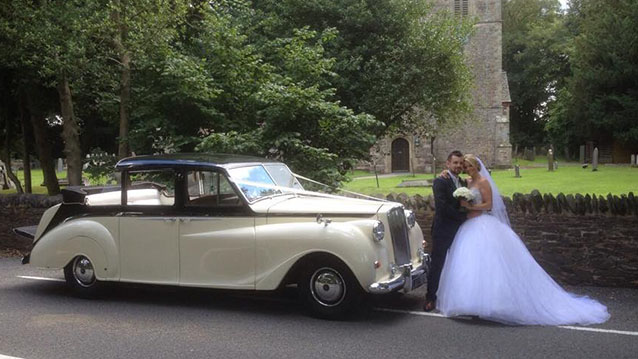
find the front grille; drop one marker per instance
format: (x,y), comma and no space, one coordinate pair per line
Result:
(399,233)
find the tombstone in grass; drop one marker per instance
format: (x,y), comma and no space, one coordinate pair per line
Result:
(60,166)
(633,160)
(3,176)
(550,159)
(582,154)
(517,171)
(594,160)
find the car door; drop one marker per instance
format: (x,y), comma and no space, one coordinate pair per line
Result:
(216,235)
(148,228)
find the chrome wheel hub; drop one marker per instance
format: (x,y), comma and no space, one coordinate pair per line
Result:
(83,271)
(327,287)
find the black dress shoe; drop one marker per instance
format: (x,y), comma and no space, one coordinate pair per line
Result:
(429,306)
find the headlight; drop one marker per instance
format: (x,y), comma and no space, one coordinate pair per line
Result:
(378,230)
(410,218)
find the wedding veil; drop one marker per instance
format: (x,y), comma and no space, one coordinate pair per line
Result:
(498,206)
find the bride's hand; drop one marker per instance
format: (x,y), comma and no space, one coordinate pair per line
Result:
(465,204)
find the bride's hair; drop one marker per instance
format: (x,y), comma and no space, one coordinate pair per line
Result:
(473,160)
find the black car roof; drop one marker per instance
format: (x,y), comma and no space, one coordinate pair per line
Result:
(193,160)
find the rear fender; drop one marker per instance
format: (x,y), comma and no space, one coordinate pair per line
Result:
(78,237)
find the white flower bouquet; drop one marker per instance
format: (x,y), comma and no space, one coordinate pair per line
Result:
(463,193)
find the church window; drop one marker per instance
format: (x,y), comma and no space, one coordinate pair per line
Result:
(461,7)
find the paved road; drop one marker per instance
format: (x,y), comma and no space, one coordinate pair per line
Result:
(39,319)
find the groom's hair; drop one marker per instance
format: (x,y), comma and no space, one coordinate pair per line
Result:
(456,153)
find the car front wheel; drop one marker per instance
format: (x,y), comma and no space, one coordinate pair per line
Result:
(329,289)
(80,277)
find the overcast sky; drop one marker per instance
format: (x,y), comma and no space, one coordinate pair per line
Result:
(563,4)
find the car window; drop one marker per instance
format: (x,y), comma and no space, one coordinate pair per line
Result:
(282,176)
(151,188)
(210,189)
(254,182)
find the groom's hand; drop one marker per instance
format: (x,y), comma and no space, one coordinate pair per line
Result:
(444,174)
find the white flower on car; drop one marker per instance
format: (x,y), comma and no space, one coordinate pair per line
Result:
(463,193)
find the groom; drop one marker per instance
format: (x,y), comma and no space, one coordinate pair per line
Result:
(448,217)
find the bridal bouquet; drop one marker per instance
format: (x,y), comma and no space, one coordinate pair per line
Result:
(463,193)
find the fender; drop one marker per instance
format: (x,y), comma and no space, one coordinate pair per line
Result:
(279,247)
(88,237)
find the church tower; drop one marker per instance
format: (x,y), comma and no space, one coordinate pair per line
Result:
(486,134)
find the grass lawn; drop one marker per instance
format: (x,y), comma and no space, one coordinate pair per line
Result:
(566,179)
(36,180)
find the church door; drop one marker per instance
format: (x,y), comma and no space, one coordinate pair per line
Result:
(400,155)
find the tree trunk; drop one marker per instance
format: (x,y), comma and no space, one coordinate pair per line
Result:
(70,134)
(119,43)
(26,158)
(125,98)
(6,156)
(43,147)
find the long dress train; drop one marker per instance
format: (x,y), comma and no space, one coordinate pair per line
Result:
(490,273)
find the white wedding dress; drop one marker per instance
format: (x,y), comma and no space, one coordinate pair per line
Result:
(489,273)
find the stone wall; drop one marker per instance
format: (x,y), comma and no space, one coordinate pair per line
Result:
(578,240)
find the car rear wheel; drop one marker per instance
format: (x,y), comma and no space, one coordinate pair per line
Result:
(329,289)
(80,277)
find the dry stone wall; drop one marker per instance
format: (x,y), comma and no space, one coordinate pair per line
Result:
(577,239)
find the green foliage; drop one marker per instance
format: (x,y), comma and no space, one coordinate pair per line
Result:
(536,61)
(392,57)
(99,166)
(604,85)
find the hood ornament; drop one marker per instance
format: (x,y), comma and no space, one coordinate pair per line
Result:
(325,221)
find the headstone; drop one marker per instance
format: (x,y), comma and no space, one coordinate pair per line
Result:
(633,160)
(3,176)
(517,171)
(60,166)
(594,160)
(550,159)
(582,154)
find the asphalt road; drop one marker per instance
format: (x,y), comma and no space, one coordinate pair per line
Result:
(40,319)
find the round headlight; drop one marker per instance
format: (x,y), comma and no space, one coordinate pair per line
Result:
(410,218)
(378,231)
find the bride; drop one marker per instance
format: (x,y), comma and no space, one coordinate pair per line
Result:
(490,273)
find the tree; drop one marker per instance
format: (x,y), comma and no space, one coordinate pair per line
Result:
(600,100)
(274,100)
(392,57)
(536,61)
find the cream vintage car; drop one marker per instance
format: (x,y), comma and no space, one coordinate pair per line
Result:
(231,222)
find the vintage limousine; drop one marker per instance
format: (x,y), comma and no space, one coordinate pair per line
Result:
(231,222)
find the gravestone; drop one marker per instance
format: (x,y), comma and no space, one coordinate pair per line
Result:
(582,154)
(550,159)
(3,176)
(517,171)
(594,160)
(60,166)
(633,160)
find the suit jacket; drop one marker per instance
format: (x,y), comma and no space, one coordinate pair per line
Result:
(448,215)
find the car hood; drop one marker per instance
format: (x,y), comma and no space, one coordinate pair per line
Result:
(315,205)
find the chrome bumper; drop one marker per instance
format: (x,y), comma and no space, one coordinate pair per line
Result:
(407,279)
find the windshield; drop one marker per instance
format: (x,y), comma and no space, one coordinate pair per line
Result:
(256,183)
